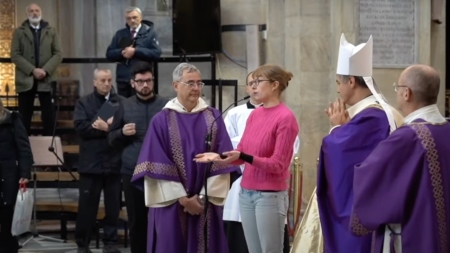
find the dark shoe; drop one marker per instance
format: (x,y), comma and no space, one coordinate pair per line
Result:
(84,250)
(110,248)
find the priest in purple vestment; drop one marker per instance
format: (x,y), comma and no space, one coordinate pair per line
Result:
(355,133)
(173,183)
(402,190)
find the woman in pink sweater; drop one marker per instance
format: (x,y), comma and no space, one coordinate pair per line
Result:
(266,149)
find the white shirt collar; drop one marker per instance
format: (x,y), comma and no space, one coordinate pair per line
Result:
(137,29)
(428,113)
(35,27)
(107,96)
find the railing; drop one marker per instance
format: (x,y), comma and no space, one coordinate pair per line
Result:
(213,82)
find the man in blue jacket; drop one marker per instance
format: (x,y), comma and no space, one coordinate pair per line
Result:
(136,42)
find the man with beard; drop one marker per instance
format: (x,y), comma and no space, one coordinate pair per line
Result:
(127,132)
(36,53)
(99,164)
(136,42)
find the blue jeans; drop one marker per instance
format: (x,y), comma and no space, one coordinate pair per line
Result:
(263,219)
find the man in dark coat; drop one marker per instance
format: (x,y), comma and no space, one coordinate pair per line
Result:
(127,132)
(16,160)
(136,42)
(36,53)
(99,163)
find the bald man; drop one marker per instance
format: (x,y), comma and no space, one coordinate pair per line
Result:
(36,53)
(402,190)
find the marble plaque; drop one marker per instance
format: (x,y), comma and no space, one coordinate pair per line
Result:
(393,25)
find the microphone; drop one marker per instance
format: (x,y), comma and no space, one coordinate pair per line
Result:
(52,148)
(208,137)
(208,148)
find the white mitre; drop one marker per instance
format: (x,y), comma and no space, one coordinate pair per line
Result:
(355,60)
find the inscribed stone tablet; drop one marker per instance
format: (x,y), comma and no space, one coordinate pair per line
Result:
(392,23)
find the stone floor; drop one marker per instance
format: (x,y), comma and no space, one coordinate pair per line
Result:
(44,245)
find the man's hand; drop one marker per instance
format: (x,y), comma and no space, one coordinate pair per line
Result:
(128,52)
(337,113)
(207,157)
(110,121)
(101,125)
(39,73)
(191,205)
(129,129)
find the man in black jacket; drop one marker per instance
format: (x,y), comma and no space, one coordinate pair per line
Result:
(128,131)
(99,164)
(136,42)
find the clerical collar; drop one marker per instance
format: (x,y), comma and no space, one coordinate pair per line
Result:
(361,105)
(252,106)
(428,113)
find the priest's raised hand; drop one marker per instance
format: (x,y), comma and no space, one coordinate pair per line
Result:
(337,112)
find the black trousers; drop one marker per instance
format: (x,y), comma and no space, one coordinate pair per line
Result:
(90,188)
(8,243)
(236,238)
(26,103)
(125,89)
(137,215)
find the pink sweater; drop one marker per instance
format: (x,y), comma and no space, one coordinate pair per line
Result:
(269,137)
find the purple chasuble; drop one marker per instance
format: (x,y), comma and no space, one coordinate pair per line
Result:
(172,141)
(341,150)
(406,180)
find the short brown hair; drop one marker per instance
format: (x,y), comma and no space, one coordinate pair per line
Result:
(274,73)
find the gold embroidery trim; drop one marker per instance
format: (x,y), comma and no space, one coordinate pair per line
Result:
(357,227)
(176,147)
(156,168)
(434,167)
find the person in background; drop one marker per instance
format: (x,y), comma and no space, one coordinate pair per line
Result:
(99,165)
(36,53)
(235,122)
(264,196)
(136,42)
(401,190)
(16,160)
(174,184)
(127,133)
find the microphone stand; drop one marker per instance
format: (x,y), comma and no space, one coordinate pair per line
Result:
(52,148)
(208,148)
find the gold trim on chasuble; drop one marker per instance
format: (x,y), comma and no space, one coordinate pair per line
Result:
(177,148)
(156,168)
(434,167)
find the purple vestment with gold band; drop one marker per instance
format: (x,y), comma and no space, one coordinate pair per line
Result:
(172,141)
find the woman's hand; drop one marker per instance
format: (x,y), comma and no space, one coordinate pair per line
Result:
(207,157)
(23,181)
(231,156)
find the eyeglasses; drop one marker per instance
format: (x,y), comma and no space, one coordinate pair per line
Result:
(396,86)
(194,84)
(257,82)
(141,82)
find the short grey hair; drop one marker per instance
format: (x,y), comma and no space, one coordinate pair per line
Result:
(179,70)
(132,8)
(100,70)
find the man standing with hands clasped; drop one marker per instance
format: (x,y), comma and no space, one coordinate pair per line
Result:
(127,133)
(355,133)
(136,42)
(99,163)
